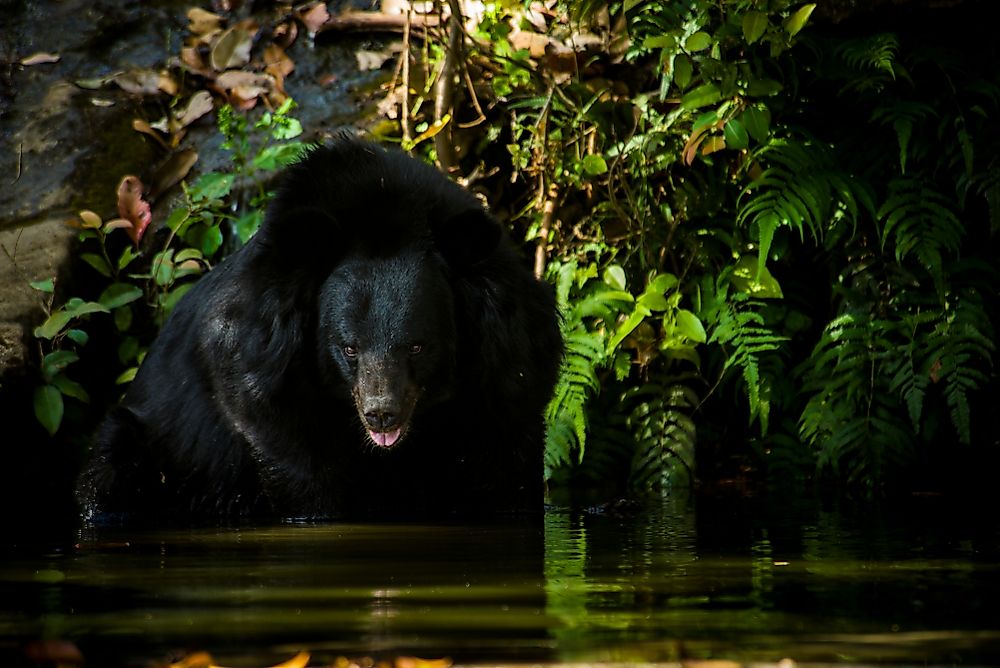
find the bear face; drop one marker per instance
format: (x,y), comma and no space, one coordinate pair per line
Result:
(386,328)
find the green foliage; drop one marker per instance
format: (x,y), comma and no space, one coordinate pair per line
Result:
(144,281)
(789,230)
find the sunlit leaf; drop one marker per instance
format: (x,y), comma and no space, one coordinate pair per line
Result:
(614,276)
(698,41)
(798,20)
(127,376)
(690,326)
(44,285)
(53,325)
(594,164)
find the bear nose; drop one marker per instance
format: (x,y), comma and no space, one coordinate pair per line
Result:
(382,420)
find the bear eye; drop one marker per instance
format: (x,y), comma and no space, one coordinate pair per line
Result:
(350,351)
(416,348)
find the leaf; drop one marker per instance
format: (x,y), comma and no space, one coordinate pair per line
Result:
(702,96)
(77,307)
(56,361)
(231,50)
(71,388)
(798,20)
(683,71)
(53,325)
(119,294)
(750,278)
(127,376)
(662,282)
(594,164)
(754,25)
(757,120)
(690,326)
(210,186)
(736,135)
(698,41)
(49,407)
(77,336)
(44,285)
(40,58)
(614,276)
(199,105)
(133,208)
(97,262)
(279,155)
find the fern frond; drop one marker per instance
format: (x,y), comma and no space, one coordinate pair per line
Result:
(801,188)
(566,414)
(743,331)
(960,348)
(919,222)
(664,434)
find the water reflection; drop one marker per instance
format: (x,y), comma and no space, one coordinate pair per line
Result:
(665,585)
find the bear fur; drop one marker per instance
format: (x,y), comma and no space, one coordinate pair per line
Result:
(378,347)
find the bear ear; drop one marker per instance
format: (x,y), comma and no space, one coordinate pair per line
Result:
(299,234)
(467,238)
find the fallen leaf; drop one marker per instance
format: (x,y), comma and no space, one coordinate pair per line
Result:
(172,171)
(300,660)
(414,662)
(96,82)
(371,60)
(133,208)
(145,128)
(276,62)
(40,58)
(232,49)
(199,105)
(102,102)
(315,17)
(285,34)
(146,82)
(243,88)
(202,21)
(191,59)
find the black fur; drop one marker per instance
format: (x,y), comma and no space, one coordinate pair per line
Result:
(378,298)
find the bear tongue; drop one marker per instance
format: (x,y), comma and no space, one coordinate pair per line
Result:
(385,438)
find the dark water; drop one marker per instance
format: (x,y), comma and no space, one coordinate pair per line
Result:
(722,582)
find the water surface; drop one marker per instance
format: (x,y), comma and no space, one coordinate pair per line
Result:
(722,582)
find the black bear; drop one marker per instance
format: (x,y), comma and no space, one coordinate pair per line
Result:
(378,347)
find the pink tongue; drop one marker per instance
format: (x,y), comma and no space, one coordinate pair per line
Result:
(385,438)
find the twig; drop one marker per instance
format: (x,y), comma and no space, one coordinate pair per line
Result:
(444,95)
(542,240)
(405,121)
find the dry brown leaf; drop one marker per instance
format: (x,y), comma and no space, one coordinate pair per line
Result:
(199,105)
(231,49)
(285,34)
(192,61)
(138,82)
(414,662)
(202,21)
(313,18)
(145,128)
(300,660)
(172,171)
(40,58)
(276,62)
